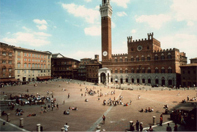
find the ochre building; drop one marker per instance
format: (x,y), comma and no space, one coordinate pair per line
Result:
(145,61)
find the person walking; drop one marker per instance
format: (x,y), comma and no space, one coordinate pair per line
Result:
(141,127)
(66,126)
(168,128)
(161,120)
(104,119)
(137,125)
(68,95)
(57,106)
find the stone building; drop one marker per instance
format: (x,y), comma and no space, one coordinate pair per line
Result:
(31,64)
(92,69)
(88,69)
(145,61)
(64,67)
(189,74)
(7,63)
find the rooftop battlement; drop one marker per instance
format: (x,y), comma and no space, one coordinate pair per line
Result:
(116,55)
(166,50)
(150,37)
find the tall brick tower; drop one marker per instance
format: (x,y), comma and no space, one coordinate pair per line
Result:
(106,13)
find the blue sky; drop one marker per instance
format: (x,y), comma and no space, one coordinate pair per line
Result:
(72,27)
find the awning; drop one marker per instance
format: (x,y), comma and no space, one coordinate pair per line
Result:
(8,80)
(44,77)
(186,108)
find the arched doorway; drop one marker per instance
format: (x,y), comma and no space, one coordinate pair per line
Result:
(111,79)
(132,80)
(149,81)
(156,81)
(103,78)
(121,80)
(138,80)
(143,80)
(169,82)
(163,81)
(127,80)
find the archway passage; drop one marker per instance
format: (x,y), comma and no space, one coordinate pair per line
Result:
(127,80)
(121,81)
(170,82)
(103,78)
(149,81)
(132,80)
(143,80)
(156,81)
(163,81)
(138,80)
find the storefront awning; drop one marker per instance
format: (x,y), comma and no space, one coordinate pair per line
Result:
(8,80)
(44,77)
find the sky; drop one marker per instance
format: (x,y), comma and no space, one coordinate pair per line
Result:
(73,27)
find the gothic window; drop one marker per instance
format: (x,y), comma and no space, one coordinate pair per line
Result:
(131,49)
(116,60)
(121,70)
(120,59)
(132,59)
(156,70)
(148,58)
(132,70)
(143,70)
(169,70)
(149,70)
(156,57)
(162,70)
(162,57)
(111,71)
(137,58)
(143,58)
(169,56)
(138,70)
(126,59)
(126,70)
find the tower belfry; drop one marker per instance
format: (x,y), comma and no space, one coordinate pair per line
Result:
(106,13)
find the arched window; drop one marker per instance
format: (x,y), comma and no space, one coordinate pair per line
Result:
(126,70)
(137,58)
(156,70)
(169,70)
(121,70)
(148,58)
(126,59)
(132,59)
(143,70)
(120,59)
(116,60)
(138,70)
(156,57)
(169,56)
(132,70)
(116,71)
(143,58)
(162,57)
(162,70)
(149,70)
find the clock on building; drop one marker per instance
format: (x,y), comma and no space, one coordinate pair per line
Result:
(104,53)
(139,48)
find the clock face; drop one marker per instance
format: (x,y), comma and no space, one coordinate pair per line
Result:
(104,53)
(139,48)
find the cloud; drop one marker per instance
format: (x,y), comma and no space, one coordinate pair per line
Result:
(88,0)
(185,10)
(93,31)
(133,31)
(120,14)
(37,21)
(42,27)
(122,3)
(154,21)
(184,42)
(28,38)
(90,15)
(26,29)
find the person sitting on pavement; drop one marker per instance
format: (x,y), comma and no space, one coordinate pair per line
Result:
(66,112)
(142,110)
(3,113)
(74,108)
